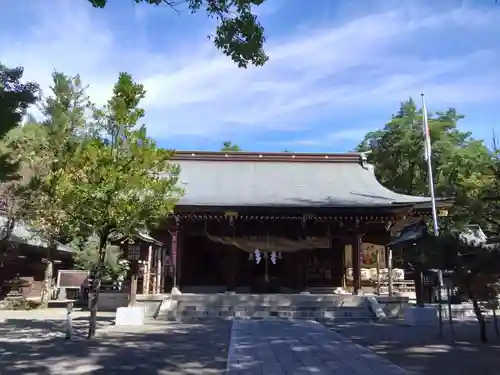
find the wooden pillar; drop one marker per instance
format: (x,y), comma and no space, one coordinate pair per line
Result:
(180,256)
(341,248)
(147,271)
(298,271)
(356,262)
(337,269)
(133,284)
(302,270)
(377,287)
(166,271)
(174,257)
(154,269)
(159,270)
(288,260)
(231,260)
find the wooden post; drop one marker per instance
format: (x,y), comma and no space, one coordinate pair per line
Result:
(356,263)
(175,260)
(231,261)
(159,270)
(133,285)
(389,270)
(378,272)
(147,272)
(154,269)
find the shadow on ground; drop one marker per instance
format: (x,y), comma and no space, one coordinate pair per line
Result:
(152,349)
(420,350)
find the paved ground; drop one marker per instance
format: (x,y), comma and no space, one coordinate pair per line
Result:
(298,348)
(421,351)
(33,343)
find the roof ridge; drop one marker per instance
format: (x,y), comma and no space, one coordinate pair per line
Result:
(346,157)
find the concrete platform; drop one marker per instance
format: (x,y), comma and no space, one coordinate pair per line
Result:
(299,347)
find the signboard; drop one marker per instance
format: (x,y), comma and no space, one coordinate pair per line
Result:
(72,278)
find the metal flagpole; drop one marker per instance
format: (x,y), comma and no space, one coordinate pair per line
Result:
(428,159)
(427,155)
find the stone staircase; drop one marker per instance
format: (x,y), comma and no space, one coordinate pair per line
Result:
(184,307)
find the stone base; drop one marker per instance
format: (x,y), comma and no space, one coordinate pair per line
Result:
(376,308)
(420,316)
(130,316)
(248,306)
(175,291)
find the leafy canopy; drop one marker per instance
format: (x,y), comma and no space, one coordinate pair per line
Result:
(15,98)
(229,146)
(86,257)
(120,181)
(59,139)
(238,35)
(460,163)
(22,144)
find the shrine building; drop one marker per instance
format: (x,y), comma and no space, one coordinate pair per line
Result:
(280,223)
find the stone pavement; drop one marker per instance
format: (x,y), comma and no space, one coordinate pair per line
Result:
(278,347)
(421,351)
(33,343)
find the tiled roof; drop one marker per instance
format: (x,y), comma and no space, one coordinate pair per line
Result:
(24,234)
(284,179)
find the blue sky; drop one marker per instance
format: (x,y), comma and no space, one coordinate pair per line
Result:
(337,69)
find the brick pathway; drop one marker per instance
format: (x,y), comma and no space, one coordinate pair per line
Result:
(273,347)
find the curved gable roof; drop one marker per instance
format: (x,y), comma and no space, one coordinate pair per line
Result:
(235,179)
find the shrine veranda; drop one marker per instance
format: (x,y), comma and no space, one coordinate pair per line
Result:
(256,227)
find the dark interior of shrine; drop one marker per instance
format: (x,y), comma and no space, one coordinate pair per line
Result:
(209,264)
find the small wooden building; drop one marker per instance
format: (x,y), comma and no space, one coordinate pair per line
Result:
(24,256)
(147,259)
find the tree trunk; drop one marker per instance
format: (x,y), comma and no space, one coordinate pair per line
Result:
(477,311)
(96,285)
(480,318)
(495,317)
(48,275)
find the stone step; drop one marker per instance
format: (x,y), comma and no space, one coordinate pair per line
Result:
(188,307)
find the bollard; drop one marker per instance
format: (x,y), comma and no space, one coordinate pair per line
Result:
(69,320)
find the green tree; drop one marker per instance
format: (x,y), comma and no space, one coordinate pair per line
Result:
(238,35)
(476,270)
(121,182)
(229,146)
(22,145)
(15,98)
(41,198)
(86,257)
(459,162)
(484,207)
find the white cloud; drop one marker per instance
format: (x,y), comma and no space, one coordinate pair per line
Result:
(329,139)
(192,89)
